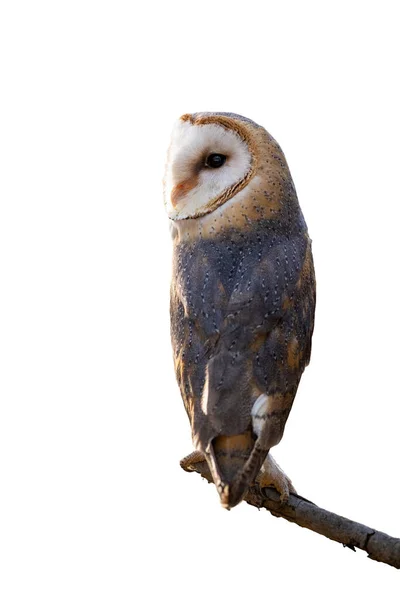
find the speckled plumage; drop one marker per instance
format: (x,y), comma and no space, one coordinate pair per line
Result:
(242,311)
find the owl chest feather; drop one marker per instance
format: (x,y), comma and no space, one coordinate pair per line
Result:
(241,317)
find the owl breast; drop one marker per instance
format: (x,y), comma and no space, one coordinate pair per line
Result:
(241,317)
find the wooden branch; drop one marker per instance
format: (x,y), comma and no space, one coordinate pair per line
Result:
(379,546)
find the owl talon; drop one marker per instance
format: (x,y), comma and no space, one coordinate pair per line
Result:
(190,460)
(271,475)
(284,497)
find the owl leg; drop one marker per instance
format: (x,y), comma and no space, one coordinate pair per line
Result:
(192,459)
(272,474)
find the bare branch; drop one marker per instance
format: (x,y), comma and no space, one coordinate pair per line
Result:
(379,546)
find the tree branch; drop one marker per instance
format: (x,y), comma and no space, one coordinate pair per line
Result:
(379,546)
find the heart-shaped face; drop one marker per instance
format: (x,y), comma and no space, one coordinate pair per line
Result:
(210,159)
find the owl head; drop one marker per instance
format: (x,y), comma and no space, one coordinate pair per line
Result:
(216,162)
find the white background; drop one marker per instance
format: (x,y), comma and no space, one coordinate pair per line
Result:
(93,502)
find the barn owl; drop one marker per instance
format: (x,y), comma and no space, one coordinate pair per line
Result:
(242,296)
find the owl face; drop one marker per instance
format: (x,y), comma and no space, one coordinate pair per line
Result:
(211,158)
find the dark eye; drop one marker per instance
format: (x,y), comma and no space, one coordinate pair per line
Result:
(215,160)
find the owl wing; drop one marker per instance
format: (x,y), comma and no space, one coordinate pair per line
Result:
(241,327)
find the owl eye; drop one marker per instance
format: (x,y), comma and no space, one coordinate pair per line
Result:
(214,161)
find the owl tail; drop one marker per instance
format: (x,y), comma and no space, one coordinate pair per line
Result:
(234,462)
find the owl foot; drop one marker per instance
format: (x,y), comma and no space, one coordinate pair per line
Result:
(191,459)
(272,475)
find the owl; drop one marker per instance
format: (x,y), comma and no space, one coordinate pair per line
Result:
(242,296)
